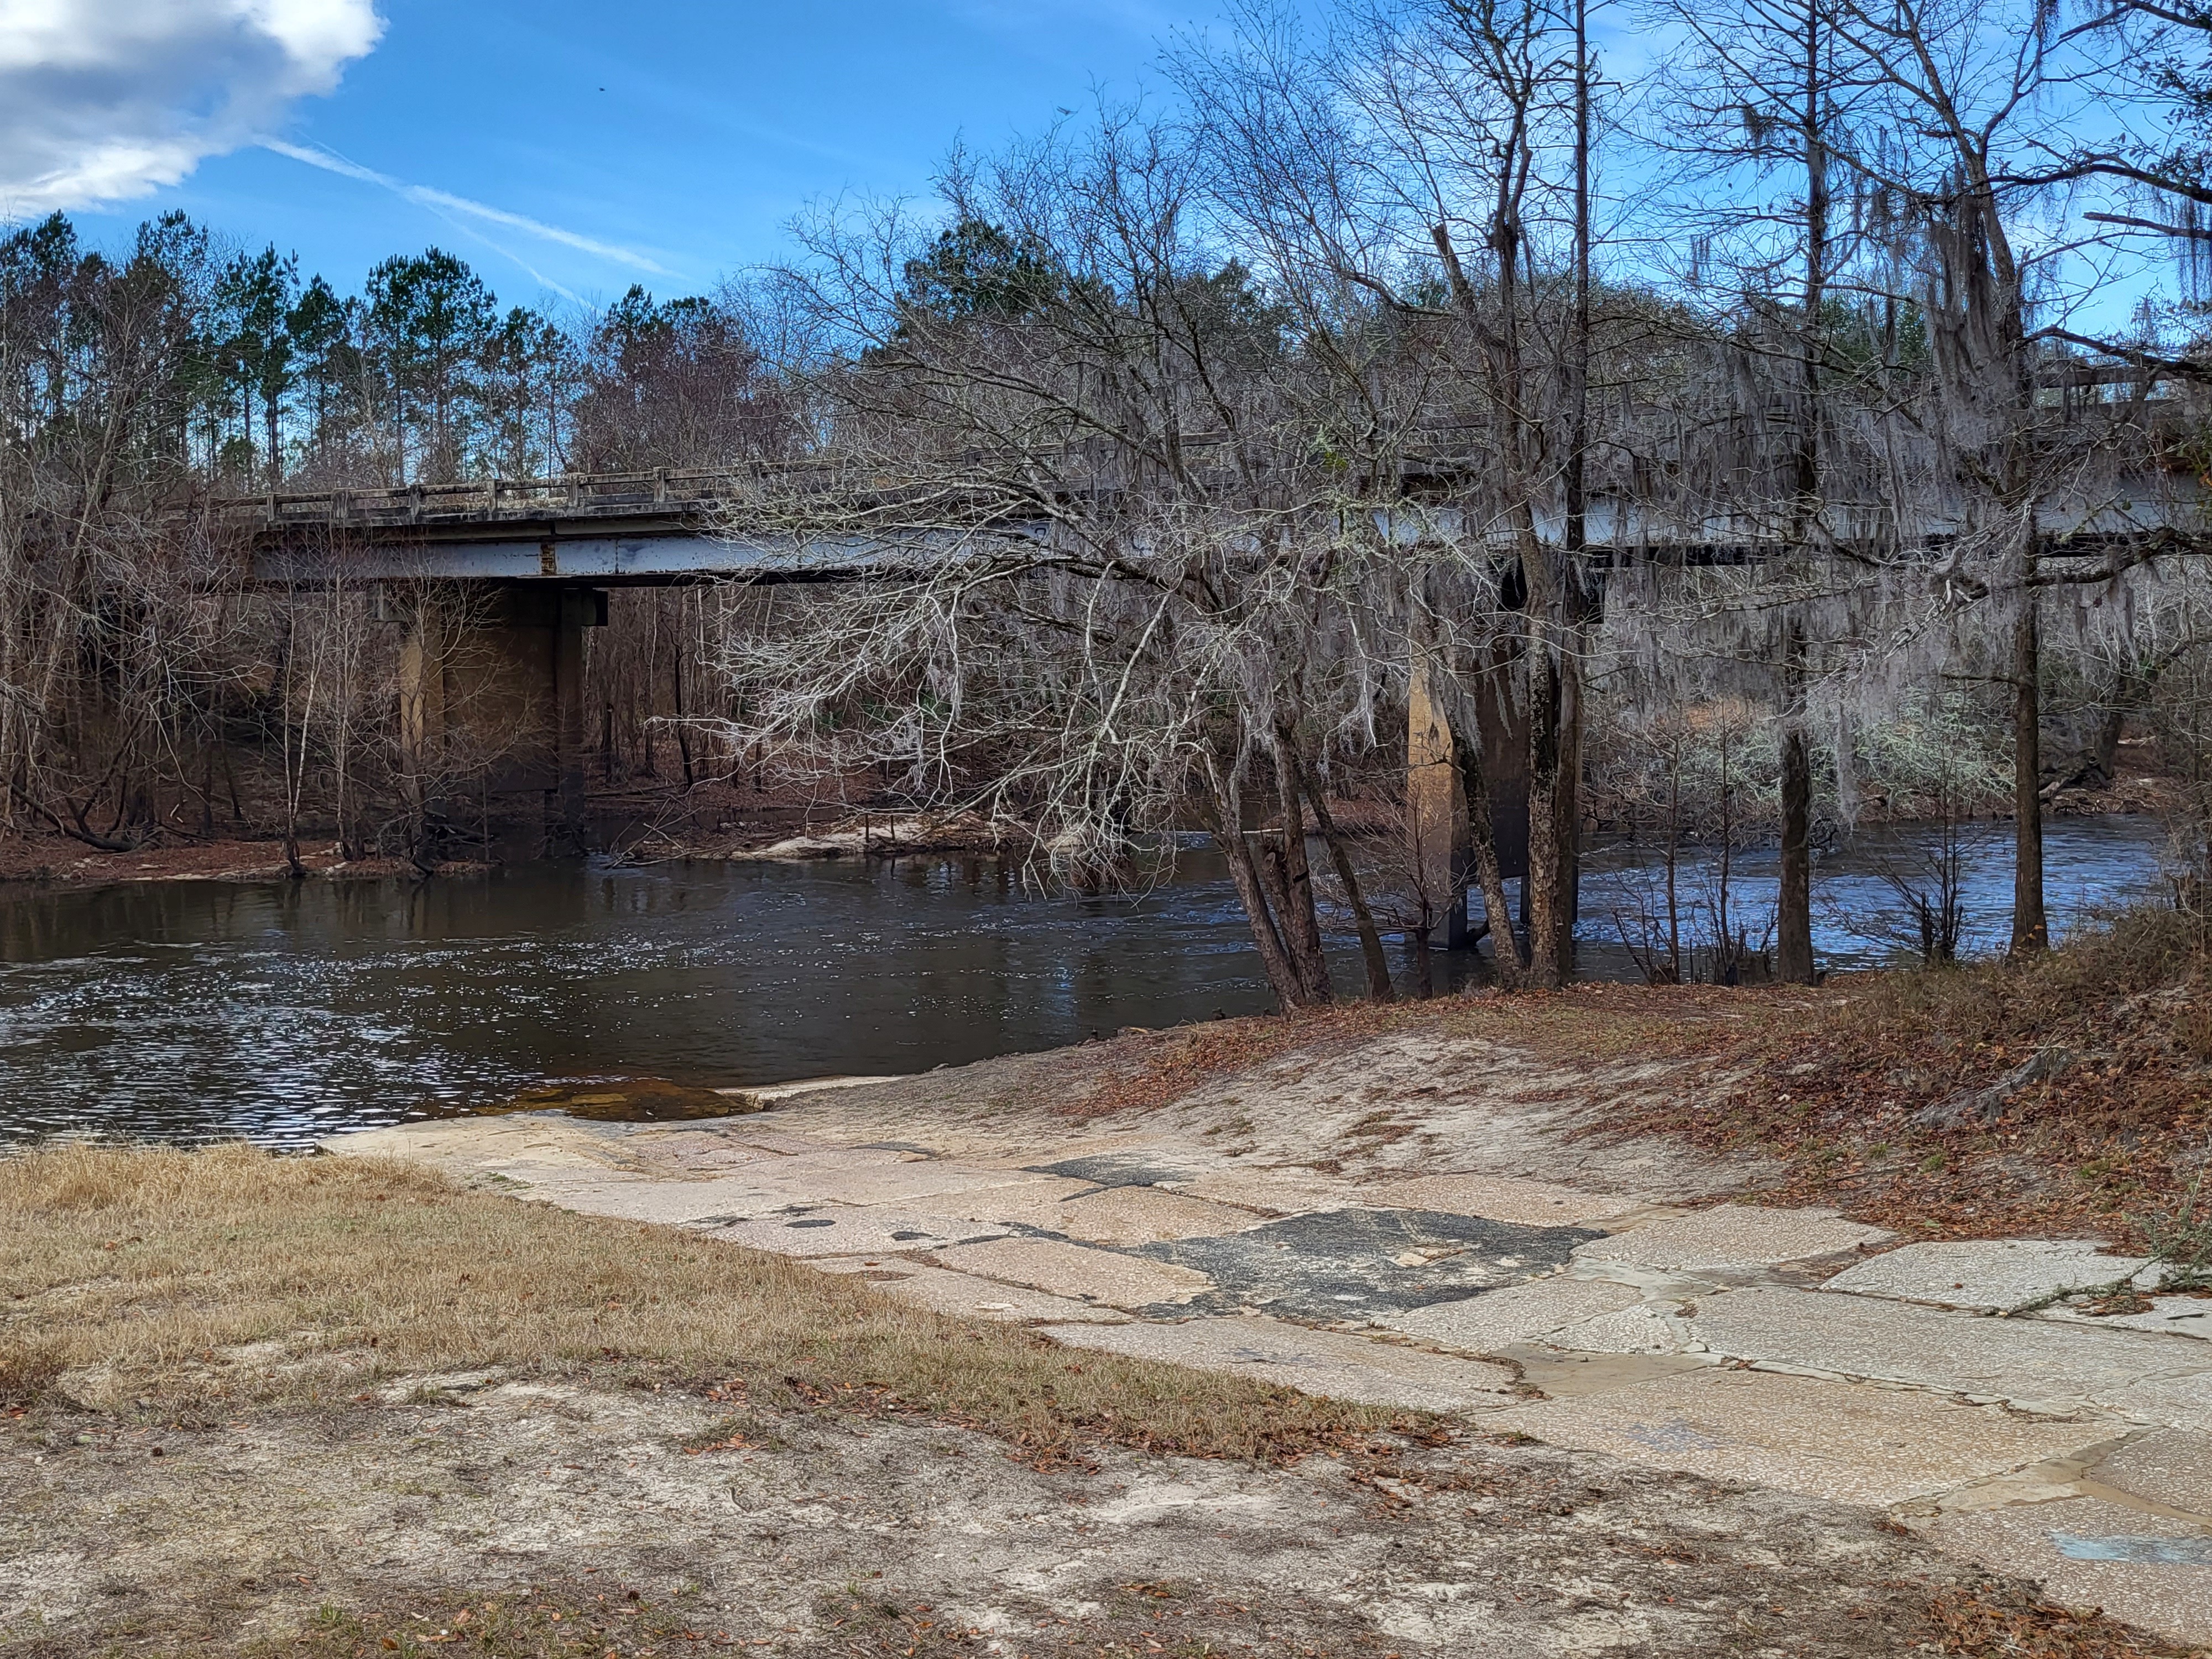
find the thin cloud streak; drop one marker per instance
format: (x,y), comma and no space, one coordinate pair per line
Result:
(444,203)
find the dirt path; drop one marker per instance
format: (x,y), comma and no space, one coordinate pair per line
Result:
(416,1511)
(1414,1219)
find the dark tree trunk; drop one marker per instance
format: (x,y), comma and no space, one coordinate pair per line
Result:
(1793,919)
(1566,824)
(1371,941)
(2031,929)
(1482,840)
(1230,835)
(1793,925)
(1300,921)
(676,690)
(1541,887)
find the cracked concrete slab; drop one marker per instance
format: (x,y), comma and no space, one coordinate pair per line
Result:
(2167,1315)
(682,1203)
(1313,1361)
(966,1296)
(833,1229)
(859,1176)
(471,1145)
(1458,1240)
(1835,1440)
(1517,1313)
(1648,1327)
(2173,1466)
(1500,1198)
(2039,1364)
(2154,1570)
(1294,1191)
(1732,1237)
(1110,1215)
(1353,1264)
(1080,1272)
(1992,1273)
(1137,1167)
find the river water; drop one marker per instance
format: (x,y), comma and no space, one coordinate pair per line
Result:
(196,1011)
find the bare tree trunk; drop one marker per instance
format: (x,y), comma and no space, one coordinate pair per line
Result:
(1520,442)
(2031,928)
(1674,866)
(1566,821)
(1235,845)
(1482,837)
(1793,918)
(1371,941)
(1793,928)
(1566,799)
(675,689)
(1542,886)
(1300,920)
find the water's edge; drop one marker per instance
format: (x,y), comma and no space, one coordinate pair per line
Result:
(285,1011)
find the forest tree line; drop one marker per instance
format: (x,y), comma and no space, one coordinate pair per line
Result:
(1716,448)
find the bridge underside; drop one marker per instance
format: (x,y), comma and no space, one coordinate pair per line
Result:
(494,605)
(494,610)
(491,703)
(605,561)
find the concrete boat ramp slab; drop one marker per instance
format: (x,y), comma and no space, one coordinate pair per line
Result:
(1794,1350)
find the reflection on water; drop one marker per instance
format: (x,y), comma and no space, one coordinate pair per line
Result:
(283,1011)
(199,1009)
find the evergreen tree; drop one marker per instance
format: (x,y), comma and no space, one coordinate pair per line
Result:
(254,299)
(430,318)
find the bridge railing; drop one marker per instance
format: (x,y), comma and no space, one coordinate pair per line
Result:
(677,493)
(1442,453)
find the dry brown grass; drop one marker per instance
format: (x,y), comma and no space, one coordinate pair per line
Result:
(228,1278)
(1833,1082)
(580,1617)
(1836,1085)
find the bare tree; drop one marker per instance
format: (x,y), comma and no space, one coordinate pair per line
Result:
(1165,600)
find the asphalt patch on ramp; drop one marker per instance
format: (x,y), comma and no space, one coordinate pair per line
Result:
(1354,1264)
(1114,1169)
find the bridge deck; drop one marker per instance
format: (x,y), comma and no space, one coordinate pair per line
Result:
(675,526)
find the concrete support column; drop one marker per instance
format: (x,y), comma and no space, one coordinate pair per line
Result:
(580,608)
(1436,799)
(421,707)
(491,711)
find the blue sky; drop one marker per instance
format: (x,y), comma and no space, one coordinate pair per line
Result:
(565,148)
(679,135)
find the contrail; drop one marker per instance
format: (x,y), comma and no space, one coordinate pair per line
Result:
(437,200)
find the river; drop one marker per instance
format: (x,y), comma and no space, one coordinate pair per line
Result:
(196,1011)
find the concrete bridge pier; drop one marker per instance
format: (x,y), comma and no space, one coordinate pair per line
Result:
(491,706)
(1435,802)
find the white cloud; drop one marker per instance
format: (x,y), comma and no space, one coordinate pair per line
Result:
(445,204)
(104,100)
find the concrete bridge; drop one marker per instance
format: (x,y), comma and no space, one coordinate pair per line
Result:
(495,580)
(532,560)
